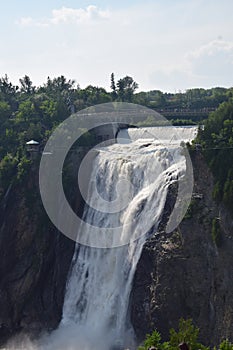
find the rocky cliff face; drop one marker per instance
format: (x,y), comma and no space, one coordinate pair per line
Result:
(184,274)
(35,259)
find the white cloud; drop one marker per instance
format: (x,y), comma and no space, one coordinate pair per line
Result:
(214,61)
(30,22)
(213,48)
(208,65)
(67,15)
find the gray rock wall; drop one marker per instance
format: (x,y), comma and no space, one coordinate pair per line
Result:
(35,257)
(185,275)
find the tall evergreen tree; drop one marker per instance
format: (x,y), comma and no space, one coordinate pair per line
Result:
(26,85)
(113,87)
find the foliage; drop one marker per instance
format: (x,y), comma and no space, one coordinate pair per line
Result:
(26,85)
(8,171)
(23,168)
(113,87)
(30,112)
(126,88)
(217,141)
(186,333)
(226,345)
(4,111)
(228,191)
(192,209)
(153,339)
(217,192)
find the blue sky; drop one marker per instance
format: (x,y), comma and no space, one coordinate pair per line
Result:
(163,44)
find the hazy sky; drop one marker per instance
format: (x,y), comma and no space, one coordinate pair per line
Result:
(169,45)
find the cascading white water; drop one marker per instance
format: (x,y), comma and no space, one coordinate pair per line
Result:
(162,134)
(99,284)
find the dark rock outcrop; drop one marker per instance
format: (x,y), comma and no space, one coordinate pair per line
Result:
(184,274)
(35,258)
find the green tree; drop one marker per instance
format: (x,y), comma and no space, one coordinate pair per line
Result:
(26,111)
(49,110)
(92,95)
(113,87)
(126,88)
(153,339)
(57,86)
(5,111)
(26,85)
(217,139)
(187,333)
(8,170)
(8,92)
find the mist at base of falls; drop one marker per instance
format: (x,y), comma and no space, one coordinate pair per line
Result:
(95,311)
(66,338)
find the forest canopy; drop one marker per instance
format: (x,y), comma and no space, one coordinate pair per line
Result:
(33,112)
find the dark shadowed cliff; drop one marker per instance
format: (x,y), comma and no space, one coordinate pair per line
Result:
(184,274)
(35,260)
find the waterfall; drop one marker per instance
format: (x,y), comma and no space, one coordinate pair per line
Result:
(99,284)
(137,172)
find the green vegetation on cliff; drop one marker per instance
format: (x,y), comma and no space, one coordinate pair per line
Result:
(187,333)
(217,142)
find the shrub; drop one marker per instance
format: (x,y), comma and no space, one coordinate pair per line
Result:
(153,339)
(8,167)
(187,333)
(226,345)
(23,168)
